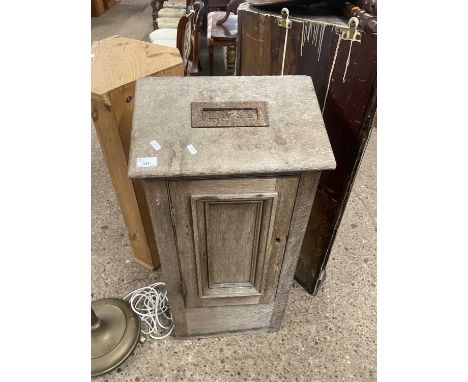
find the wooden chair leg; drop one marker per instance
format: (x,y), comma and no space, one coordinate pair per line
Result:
(230,60)
(155,6)
(210,53)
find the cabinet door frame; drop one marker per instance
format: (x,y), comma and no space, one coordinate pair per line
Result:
(189,201)
(267,316)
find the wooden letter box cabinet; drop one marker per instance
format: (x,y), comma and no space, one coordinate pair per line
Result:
(230,168)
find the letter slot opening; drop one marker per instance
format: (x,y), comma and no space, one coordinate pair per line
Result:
(229,114)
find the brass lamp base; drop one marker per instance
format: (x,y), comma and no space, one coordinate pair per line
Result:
(115,329)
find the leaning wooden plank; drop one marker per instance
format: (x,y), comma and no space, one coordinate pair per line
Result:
(111,145)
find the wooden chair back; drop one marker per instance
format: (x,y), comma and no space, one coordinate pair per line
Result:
(188,36)
(231,7)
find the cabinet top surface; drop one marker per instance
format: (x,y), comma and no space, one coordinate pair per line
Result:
(117,61)
(270,124)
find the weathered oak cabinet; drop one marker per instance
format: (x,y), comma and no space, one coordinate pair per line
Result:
(230,168)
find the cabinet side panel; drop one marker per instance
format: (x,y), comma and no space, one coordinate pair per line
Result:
(286,189)
(159,207)
(302,207)
(317,238)
(255,26)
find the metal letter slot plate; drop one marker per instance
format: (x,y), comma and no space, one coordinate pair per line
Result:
(229,114)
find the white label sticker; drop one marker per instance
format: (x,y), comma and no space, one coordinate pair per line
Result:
(147,162)
(92,55)
(192,149)
(155,144)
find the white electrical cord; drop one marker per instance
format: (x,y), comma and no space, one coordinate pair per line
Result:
(151,305)
(285,45)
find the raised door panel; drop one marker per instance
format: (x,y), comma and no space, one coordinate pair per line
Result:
(230,238)
(232,246)
(232,235)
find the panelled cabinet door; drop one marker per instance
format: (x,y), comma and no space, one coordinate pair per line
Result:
(231,236)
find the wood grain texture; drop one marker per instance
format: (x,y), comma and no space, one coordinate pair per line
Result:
(108,4)
(230,219)
(328,212)
(122,100)
(349,107)
(232,240)
(302,207)
(104,118)
(97,8)
(225,319)
(317,237)
(294,141)
(170,208)
(119,61)
(160,210)
(287,190)
(122,103)
(231,245)
(114,71)
(197,258)
(261,41)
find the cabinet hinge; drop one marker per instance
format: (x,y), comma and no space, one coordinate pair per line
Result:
(283,21)
(351,33)
(318,285)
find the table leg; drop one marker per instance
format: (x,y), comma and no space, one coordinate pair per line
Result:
(231,60)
